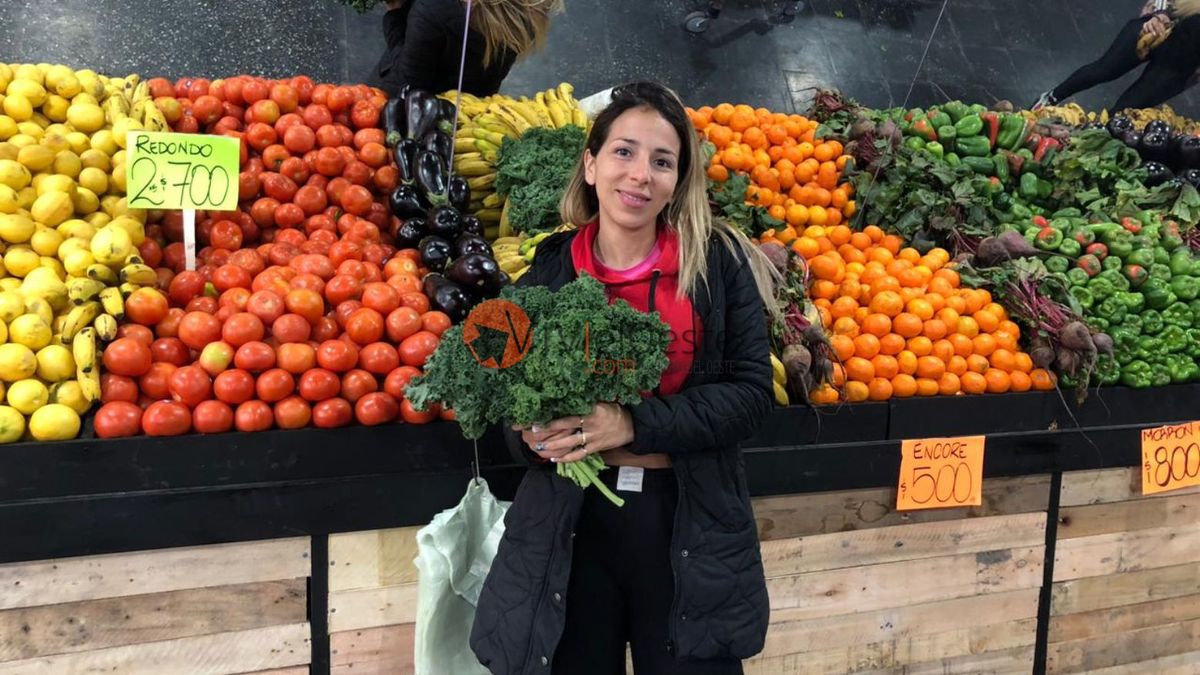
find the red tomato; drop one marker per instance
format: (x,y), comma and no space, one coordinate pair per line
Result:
(365,326)
(253,416)
(294,169)
(296,357)
(203,304)
(405,283)
(126,356)
(234,386)
(386,178)
(235,298)
(344,309)
(170,350)
(435,322)
(325,329)
(291,328)
(376,408)
(343,287)
(398,380)
(241,328)
(118,419)
(197,329)
(337,355)
(278,187)
(288,121)
(311,200)
(151,252)
(118,388)
(212,417)
(266,305)
(378,358)
(306,303)
(299,140)
(167,418)
(137,332)
(332,413)
(416,348)
(380,297)
(363,115)
(216,357)
(274,385)
(254,357)
(248,259)
(207,109)
(260,136)
(329,162)
(156,383)
(411,415)
(226,234)
(264,111)
(316,116)
(318,384)
(292,413)
(190,385)
(146,306)
(285,97)
(373,155)
(358,383)
(346,251)
(416,300)
(263,211)
(309,282)
(229,276)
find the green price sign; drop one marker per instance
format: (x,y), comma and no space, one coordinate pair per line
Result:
(182,171)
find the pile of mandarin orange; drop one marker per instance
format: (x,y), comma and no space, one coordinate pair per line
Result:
(902,325)
(794,175)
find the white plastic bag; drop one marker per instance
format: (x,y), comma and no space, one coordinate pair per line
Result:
(454,554)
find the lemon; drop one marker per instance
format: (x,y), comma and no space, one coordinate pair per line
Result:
(53,182)
(28,395)
(77,262)
(17,362)
(54,422)
(36,157)
(120,178)
(12,424)
(85,201)
(12,305)
(70,394)
(28,71)
(94,179)
(6,75)
(3,332)
(98,219)
(30,330)
(80,142)
(132,226)
(67,86)
(104,141)
(122,128)
(119,157)
(52,208)
(14,174)
(16,228)
(18,107)
(8,199)
(8,127)
(9,151)
(55,108)
(9,284)
(67,163)
(86,117)
(26,196)
(76,229)
(32,130)
(57,273)
(30,89)
(55,363)
(111,245)
(95,159)
(46,241)
(19,261)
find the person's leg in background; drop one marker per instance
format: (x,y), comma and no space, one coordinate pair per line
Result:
(1159,83)
(1120,58)
(395,21)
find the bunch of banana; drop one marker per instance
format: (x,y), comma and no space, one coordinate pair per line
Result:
(484,123)
(779,380)
(507,252)
(1142,117)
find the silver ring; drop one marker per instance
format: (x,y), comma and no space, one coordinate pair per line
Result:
(540,447)
(583,441)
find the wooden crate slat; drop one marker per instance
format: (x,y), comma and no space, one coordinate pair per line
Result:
(1175,664)
(1016,661)
(51,582)
(295,670)
(901,542)
(1123,619)
(373,607)
(218,654)
(1120,552)
(1107,651)
(372,559)
(1108,485)
(112,622)
(846,630)
(386,650)
(860,589)
(1092,593)
(788,516)
(1139,514)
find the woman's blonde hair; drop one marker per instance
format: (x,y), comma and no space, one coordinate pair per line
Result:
(1186,8)
(688,212)
(519,26)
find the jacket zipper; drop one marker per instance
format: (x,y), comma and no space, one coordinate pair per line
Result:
(672,628)
(650,307)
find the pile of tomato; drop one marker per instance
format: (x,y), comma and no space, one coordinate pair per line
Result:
(300,311)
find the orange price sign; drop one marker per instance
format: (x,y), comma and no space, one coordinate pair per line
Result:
(941,473)
(1170,457)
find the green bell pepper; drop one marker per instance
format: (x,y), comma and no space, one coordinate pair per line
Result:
(1174,339)
(1116,278)
(1111,308)
(952,159)
(936,149)
(1136,274)
(1058,264)
(914,143)
(1002,170)
(1132,323)
(980,165)
(947,135)
(1045,188)
(1098,285)
(1187,288)
(1194,305)
(1193,348)
(1160,271)
(970,125)
(1181,263)
(1020,211)
(1136,374)
(1072,249)
(1178,314)
(1158,294)
(1077,276)
(1049,239)
(956,110)
(1142,257)
(1089,263)
(1152,322)
(1112,262)
(938,119)
(1084,296)
(1012,131)
(925,130)
(973,146)
(1098,323)
(1134,302)
(1160,375)
(1028,186)
(1107,371)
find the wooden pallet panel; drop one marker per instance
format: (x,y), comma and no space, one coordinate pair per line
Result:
(386,650)
(297,670)
(219,654)
(897,653)
(1093,593)
(372,607)
(1124,648)
(50,582)
(1175,664)
(859,589)
(1141,514)
(1121,552)
(1123,619)
(902,542)
(1017,661)
(1108,485)
(98,624)
(788,516)
(847,630)
(372,559)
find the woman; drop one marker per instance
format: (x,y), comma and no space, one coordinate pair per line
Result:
(676,572)
(424,42)
(1165,36)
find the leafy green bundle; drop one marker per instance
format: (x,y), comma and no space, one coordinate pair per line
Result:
(361,6)
(582,350)
(533,171)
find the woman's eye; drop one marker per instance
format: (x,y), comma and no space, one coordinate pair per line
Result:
(665,164)
(623,152)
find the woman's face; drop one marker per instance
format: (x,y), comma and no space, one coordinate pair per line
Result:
(636,170)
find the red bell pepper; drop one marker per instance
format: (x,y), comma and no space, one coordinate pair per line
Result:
(991,124)
(1044,146)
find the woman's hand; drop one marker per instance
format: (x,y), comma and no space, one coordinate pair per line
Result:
(1157,25)
(570,439)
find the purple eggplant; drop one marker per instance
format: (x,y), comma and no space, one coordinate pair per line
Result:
(1132,138)
(1155,146)
(475,271)
(469,243)
(1155,126)
(1118,126)
(441,143)
(410,234)
(445,222)
(435,253)
(1189,152)
(471,225)
(458,192)
(405,155)
(1156,174)
(393,121)
(431,176)
(422,111)
(1192,176)
(405,203)
(451,299)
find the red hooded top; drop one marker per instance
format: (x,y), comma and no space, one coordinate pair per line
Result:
(649,286)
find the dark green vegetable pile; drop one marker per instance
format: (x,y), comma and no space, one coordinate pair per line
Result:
(533,171)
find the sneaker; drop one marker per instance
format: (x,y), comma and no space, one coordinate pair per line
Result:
(1047,98)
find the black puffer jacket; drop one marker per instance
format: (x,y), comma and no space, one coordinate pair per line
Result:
(721,608)
(424,47)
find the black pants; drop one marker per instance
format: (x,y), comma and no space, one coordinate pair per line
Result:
(1170,66)
(622,585)
(384,75)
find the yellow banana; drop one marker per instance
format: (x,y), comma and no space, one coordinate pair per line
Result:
(87,371)
(103,274)
(472,168)
(482,182)
(781,395)
(82,289)
(106,327)
(114,303)
(493,201)
(139,273)
(579,118)
(559,114)
(80,317)
(488,215)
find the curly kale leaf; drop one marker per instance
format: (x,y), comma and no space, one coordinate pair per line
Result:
(533,171)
